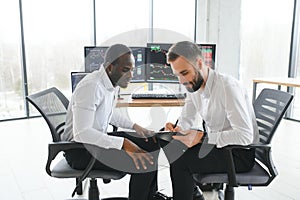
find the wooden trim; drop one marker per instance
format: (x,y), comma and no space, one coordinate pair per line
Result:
(128,102)
(289,82)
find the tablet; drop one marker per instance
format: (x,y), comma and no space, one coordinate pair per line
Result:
(166,135)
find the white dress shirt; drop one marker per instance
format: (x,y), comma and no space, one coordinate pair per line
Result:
(226,109)
(91,110)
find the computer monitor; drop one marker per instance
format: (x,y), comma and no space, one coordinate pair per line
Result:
(158,70)
(76,77)
(209,54)
(139,70)
(208,51)
(163,46)
(94,57)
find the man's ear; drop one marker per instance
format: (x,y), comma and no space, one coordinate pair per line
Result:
(199,63)
(108,67)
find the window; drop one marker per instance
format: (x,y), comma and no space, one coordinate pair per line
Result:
(56,32)
(122,21)
(265,39)
(11,90)
(173,20)
(296,100)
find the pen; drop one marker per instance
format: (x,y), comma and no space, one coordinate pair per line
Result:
(175,124)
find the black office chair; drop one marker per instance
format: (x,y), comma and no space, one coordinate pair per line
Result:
(269,108)
(52,105)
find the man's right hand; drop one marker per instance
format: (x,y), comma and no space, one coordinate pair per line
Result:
(170,127)
(138,155)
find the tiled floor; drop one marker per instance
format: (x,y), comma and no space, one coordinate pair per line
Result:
(23,150)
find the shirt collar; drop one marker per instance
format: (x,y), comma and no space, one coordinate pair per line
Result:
(105,79)
(209,84)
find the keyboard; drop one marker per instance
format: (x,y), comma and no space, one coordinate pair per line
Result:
(157,96)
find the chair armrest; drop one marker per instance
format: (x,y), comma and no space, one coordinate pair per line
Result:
(56,147)
(229,158)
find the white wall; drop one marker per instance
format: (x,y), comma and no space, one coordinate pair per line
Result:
(219,22)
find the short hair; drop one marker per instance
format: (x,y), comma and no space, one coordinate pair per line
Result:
(114,52)
(189,50)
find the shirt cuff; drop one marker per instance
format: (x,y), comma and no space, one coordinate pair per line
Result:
(117,142)
(125,123)
(212,137)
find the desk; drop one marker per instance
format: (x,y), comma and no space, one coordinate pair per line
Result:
(289,82)
(127,101)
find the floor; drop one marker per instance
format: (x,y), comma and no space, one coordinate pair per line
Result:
(23,150)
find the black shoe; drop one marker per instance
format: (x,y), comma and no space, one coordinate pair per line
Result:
(197,194)
(161,196)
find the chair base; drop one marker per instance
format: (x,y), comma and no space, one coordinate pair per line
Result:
(93,190)
(94,193)
(229,193)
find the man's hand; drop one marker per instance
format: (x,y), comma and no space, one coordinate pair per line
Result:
(170,127)
(143,132)
(138,155)
(190,137)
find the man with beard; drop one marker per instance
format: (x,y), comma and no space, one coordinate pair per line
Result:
(228,119)
(90,111)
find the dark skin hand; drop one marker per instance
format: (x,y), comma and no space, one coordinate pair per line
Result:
(144,133)
(138,155)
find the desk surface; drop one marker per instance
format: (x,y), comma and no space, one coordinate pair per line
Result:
(127,101)
(291,82)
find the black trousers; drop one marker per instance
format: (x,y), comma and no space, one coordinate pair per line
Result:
(143,183)
(184,162)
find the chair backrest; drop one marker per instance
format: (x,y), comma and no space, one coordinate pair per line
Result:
(269,107)
(53,105)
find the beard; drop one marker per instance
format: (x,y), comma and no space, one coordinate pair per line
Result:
(196,83)
(123,82)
